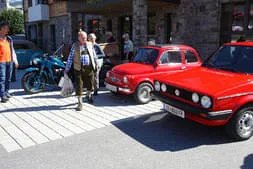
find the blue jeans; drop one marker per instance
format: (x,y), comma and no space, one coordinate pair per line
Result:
(5,77)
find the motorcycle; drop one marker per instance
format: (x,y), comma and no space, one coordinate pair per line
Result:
(46,70)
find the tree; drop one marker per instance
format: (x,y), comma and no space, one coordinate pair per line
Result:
(16,20)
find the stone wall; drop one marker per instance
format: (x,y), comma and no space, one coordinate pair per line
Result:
(197,23)
(140,12)
(62,33)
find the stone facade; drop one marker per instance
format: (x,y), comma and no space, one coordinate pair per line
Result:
(140,12)
(4,4)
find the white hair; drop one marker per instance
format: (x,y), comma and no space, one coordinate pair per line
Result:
(108,33)
(92,36)
(82,33)
(125,35)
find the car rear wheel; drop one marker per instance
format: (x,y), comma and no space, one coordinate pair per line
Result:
(142,93)
(240,127)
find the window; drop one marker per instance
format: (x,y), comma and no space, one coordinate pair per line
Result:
(30,3)
(171,57)
(151,23)
(190,57)
(237,21)
(20,46)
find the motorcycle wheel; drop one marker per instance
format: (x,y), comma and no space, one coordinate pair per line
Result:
(32,83)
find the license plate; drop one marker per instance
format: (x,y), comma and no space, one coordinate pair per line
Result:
(175,111)
(111,87)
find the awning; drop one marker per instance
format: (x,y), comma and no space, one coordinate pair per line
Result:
(107,7)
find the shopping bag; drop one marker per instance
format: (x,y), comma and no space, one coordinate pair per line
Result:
(67,87)
(60,84)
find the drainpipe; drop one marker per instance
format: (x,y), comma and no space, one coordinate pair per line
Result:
(23,3)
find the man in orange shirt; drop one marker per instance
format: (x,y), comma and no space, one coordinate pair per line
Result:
(7,58)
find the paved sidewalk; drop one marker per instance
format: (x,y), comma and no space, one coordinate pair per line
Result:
(28,120)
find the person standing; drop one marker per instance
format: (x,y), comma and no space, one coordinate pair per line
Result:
(7,59)
(128,47)
(109,37)
(99,60)
(82,56)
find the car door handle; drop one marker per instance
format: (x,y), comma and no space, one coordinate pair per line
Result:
(183,67)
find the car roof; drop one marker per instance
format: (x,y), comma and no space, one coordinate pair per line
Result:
(248,43)
(169,46)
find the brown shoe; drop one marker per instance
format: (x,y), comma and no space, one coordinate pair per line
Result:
(79,107)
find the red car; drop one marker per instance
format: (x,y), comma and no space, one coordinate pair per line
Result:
(218,93)
(137,78)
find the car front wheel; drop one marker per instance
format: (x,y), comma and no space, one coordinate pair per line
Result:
(240,127)
(142,93)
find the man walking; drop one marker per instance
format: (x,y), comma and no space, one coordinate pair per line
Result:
(7,58)
(82,55)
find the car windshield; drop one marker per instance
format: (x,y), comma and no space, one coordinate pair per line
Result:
(146,56)
(232,58)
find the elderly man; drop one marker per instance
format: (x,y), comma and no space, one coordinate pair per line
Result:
(7,58)
(82,55)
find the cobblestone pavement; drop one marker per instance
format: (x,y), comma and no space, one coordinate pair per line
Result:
(28,120)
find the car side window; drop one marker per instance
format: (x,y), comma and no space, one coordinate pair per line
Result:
(171,57)
(175,57)
(164,59)
(190,57)
(21,46)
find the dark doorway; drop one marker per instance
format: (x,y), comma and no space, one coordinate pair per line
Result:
(168,26)
(125,26)
(226,23)
(53,37)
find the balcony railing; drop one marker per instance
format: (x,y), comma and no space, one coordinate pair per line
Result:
(38,12)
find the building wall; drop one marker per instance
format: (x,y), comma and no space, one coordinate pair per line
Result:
(4,5)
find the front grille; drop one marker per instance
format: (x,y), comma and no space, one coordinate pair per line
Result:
(184,94)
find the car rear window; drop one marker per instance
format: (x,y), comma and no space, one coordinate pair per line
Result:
(21,46)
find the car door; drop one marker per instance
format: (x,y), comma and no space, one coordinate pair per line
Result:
(23,52)
(169,62)
(191,59)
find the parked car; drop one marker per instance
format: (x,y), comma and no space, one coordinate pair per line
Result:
(26,51)
(219,93)
(137,78)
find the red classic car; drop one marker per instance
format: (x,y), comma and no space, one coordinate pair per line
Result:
(137,78)
(220,92)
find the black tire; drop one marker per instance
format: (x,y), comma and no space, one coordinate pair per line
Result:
(28,82)
(240,126)
(102,74)
(142,93)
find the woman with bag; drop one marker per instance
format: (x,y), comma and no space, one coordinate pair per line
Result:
(82,56)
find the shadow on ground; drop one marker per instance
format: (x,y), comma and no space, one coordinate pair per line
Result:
(163,132)
(38,108)
(248,162)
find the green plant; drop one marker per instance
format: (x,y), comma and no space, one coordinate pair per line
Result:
(15,19)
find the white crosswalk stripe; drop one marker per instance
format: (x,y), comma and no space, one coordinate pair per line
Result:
(29,120)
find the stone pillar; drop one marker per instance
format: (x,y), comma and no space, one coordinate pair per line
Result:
(140,23)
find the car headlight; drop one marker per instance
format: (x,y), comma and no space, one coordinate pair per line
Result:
(125,79)
(206,102)
(107,74)
(164,87)
(157,86)
(35,61)
(195,97)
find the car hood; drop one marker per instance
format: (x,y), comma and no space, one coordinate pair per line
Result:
(133,68)
(208,81)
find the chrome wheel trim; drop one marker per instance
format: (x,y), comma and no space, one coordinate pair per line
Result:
(245,124)
(144,94)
